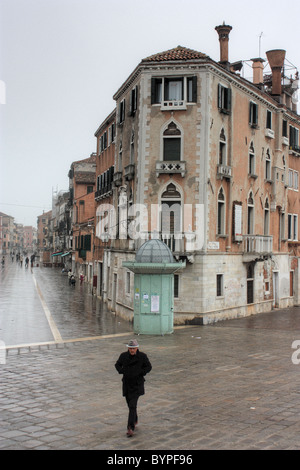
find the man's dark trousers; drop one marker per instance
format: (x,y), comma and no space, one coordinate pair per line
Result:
(132,416)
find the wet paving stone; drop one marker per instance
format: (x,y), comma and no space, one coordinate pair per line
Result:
(230,385)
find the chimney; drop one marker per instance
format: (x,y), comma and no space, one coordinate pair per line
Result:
(223,32)
(276,60)
(258,71)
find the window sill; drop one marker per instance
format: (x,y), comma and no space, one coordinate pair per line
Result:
(269,133)
(225,111)
(252,175)
(179,105)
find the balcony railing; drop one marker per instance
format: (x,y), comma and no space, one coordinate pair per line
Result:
(258,244)
(180,243)
(294,149)
(171,167)
(103,192)
(224,171)
(173,104)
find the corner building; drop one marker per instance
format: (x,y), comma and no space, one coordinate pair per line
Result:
(208,162)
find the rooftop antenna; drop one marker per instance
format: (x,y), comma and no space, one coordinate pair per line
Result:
(260,36)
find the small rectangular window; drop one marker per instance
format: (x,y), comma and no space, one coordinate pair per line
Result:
(176,286)
(128,282)
(121,111)
(133,101)
(269,120)
(294,138)
(295,227)
(220,292)
(172,149)
(296,180)
(291,178)
(253,114)
(284,128)
(251,164)
(282,226)
(224,99)
(192,89)
(176,90)
(173,89)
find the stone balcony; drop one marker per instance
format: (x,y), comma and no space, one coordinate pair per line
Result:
(224,171)
(170,167)
(257,247)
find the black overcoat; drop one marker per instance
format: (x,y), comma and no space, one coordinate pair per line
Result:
(134,368)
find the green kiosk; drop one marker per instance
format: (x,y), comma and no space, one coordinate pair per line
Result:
(154,269)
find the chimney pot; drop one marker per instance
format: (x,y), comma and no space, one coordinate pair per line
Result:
(276,60)
(258,71)
(223,32)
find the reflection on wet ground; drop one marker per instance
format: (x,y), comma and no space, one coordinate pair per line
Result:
(277,319)
(76,312)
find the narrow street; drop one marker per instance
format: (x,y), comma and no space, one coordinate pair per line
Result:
(38,305)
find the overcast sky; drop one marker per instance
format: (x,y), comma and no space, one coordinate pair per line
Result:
(61,61)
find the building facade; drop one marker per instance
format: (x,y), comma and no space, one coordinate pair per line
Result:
(82,214)
(208,162)
(104,201)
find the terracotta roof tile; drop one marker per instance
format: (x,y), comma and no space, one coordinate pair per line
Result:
(84,177)
(178,53)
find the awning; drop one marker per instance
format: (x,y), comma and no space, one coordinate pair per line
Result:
(65,254)
(57,254)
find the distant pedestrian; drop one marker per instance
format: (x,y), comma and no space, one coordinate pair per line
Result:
(21,260)
(26,262)
(134,365)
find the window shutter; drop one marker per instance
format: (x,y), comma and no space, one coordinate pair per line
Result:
(229,99)
(135,97)
(194,97)
(87,243)
(172,149)
(131,105)
(219,96)
(153,89)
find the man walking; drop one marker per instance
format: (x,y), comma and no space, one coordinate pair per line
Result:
(134,365)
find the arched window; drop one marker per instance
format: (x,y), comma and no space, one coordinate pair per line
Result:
(172,143)
(268,165)
(132,148)
(250,218)
(221,213)
(250,283)
(251,160)
(120,162)
(266,217)
(171,218)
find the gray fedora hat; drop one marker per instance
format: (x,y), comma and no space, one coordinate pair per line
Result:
(132,344)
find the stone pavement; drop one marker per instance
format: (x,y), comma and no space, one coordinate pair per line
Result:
(231,385)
